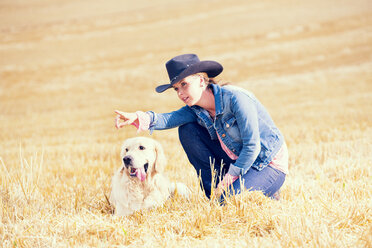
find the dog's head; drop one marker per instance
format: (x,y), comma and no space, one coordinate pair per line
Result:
(141,157)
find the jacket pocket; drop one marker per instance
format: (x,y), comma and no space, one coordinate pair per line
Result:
(231,128)
(229,123)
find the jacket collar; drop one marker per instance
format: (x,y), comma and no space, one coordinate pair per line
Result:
(217,92)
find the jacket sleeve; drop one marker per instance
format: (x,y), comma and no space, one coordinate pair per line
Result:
(245,113)
(173,119)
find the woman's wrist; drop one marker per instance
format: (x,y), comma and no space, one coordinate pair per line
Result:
(143,121)
(235,171)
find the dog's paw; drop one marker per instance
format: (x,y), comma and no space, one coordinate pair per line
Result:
(180,189)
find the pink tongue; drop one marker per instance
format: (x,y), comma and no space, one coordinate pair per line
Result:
(141,174)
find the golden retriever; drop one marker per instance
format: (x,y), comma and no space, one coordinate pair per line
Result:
(139,182)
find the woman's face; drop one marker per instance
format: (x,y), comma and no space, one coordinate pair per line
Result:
(190,89)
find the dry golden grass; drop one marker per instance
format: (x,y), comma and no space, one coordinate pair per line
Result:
(66,65)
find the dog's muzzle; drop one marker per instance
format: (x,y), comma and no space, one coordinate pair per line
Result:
(128,164)
(140,173)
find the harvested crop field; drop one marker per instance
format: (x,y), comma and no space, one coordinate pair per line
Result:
(65,66)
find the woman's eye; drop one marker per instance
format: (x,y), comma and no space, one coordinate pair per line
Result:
(141,147)
(183,84)
(176,89)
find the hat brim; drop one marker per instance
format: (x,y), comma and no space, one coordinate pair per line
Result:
(212,68)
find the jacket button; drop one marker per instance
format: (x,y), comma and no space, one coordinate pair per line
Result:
(223,135)
(227,125)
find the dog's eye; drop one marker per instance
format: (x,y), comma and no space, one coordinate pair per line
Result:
(126,149)
(141,147)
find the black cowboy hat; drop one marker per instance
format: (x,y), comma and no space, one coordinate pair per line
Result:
(185,65)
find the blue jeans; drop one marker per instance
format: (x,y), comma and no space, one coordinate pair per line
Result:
(201,150)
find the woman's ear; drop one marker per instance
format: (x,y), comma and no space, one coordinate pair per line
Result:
(202,81)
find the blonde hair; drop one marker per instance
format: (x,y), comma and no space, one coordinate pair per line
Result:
(203,74)
(209,80)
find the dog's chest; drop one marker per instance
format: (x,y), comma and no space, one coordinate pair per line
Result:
(135,195)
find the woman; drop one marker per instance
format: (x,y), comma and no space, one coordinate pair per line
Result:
(224,125)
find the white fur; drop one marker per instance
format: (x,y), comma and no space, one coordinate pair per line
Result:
(129,193)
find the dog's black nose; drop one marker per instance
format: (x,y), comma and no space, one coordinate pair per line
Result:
(127,160)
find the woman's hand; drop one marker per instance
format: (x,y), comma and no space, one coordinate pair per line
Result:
(124,118)
(225,183)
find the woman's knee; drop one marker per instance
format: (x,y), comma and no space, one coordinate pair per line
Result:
(188,132)
(268,181)
(187,129)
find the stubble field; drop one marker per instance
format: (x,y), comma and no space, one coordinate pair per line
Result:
(65,66)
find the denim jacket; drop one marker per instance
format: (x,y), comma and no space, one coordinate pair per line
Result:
(241,121)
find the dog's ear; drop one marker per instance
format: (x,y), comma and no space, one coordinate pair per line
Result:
(160,160)
(122,150)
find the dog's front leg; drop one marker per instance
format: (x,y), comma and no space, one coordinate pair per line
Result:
(181,189)
(154,199)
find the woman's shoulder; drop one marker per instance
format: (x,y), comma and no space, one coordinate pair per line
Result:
(233,90)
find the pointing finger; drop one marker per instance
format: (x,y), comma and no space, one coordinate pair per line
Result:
(119,112)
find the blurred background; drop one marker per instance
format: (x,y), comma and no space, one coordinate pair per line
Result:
(65,66)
